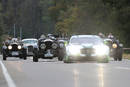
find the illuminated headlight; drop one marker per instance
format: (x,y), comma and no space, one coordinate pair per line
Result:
(73,50)
(114,45)
(19,47)
(9,47)
(43,46)
(54,45)
(101,50)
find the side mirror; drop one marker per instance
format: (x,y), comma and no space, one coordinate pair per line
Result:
(121,45)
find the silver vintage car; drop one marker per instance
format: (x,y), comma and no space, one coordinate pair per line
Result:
(30,43)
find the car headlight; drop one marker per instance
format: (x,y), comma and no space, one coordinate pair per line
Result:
(62,45)
(73,50)
(114,45)
(43,46)
(19,47)
(9,47)
(54,45)
(101,50)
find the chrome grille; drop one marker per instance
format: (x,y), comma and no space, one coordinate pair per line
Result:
(14,47)
(87,51)
(30,48)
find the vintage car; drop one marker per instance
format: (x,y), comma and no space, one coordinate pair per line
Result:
(116,49)
(30,43)
(86,47)
(49,48)
(14,49)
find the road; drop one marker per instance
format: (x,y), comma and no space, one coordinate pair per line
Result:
(52,73)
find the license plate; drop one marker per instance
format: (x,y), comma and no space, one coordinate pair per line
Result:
(15,53)
(48,55)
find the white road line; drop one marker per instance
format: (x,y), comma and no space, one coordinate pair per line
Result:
(124,68)
(8,78)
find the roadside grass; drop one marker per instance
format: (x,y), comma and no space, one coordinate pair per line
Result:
(126,56)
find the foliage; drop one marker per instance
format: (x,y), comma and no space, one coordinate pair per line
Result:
(66,17)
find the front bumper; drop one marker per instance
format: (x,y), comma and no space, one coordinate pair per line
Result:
(14,53)
(48,53)
(83,57)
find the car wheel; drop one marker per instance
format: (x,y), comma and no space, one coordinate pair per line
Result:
(120,54)
(115,59)
(60,58)
(35,58)
(104,60)
(120,57)
(4,57)
(25,57)
(67,60)
(61,55)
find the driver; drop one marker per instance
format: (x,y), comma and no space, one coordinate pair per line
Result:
(110,36)
(8,41)
(42,37)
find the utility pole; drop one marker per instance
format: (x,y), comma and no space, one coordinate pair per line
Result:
(20,33)
(14,31)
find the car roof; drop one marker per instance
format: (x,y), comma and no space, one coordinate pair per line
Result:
(29,39)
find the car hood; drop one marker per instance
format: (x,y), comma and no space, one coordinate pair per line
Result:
(83,45)
(86,45)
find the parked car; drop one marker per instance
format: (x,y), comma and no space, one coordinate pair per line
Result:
(14,49)
(86,47)
(30,43)
(48,48)
(116,49)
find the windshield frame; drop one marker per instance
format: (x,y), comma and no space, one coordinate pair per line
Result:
(31,41)
(92,38)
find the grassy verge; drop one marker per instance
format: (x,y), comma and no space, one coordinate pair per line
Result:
(126,56)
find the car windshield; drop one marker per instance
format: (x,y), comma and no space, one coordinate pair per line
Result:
(30,41)
(83,40)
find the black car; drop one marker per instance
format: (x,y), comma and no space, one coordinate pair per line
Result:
(49,48)
(116,49)
(14,49)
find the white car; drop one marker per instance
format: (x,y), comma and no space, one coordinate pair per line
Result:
(86,47)
(30,43)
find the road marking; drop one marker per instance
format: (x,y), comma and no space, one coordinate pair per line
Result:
(76,78)
(125,68)
(8,78)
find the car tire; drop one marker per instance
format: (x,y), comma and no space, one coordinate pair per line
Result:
(4,57)
(67,60)
(120,55)
(61,55)
(103,60)
(35,58)
(25,57)
(115,59)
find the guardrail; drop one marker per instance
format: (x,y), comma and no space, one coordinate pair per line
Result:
(126,48)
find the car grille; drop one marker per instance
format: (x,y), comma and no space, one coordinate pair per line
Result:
(14,47)
(30,48)
(48,44)
(87,51)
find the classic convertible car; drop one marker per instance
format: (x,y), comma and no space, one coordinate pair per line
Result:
(14,49)
(49,48)
(116,49)
(30,43)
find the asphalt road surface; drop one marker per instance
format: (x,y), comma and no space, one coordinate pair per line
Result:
(52,73)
